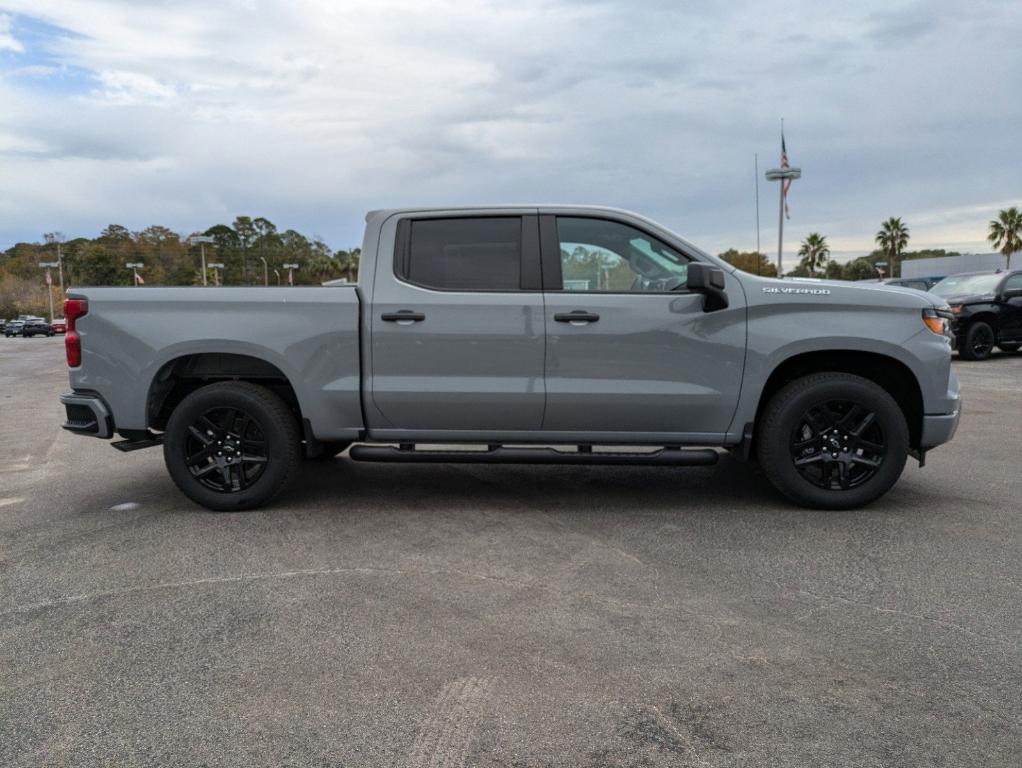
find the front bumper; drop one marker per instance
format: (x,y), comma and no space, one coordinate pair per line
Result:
(940,427)
(87,414)
(938,430)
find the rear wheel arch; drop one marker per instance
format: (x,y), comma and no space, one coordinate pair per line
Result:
(179,377)
(888,372)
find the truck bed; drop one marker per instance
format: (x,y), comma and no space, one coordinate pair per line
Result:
(130,336)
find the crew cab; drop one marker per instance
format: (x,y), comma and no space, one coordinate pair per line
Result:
(987,308)
(525,334)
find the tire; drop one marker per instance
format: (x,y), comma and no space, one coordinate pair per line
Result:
(819,421)
(979,342)
(329,449)
(246,421)
(1012,347)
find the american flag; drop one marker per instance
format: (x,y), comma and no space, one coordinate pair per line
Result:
(786,184)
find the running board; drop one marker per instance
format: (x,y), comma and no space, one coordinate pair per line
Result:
(668,457)
(127,446)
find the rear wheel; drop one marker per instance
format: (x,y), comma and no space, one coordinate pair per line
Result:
(232,446)
(833,441)
(979,342)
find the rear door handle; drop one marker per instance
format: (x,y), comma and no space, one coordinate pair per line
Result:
(577,316)
(405,317)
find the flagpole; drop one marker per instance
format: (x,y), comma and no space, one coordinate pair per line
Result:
(780,233)
(780,227)
(784,175)
(757,212)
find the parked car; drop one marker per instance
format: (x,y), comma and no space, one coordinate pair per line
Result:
(36,328)
(59,325)
(525,327)
(13,328)
(987,309)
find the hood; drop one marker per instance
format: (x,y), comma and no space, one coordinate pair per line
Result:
(970,298)
(874,294)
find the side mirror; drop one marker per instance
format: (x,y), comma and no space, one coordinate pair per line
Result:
(1012,293)
(709,281)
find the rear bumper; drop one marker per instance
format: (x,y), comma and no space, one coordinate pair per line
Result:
(87,414)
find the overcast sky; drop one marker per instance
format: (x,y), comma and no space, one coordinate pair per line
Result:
(311,112)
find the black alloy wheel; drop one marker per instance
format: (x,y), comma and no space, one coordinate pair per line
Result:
(838,445)
(979,342)
(232,445)
(832,440)
(226,450)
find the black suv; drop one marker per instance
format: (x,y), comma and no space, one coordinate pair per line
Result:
(36,328)
(988,311)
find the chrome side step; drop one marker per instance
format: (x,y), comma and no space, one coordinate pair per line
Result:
(496,454)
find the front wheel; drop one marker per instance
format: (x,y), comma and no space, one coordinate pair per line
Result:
(979,342)
(232,446)
(833,441)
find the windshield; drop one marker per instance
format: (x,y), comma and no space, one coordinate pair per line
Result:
(963,285)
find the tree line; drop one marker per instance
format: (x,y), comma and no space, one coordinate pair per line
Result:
(1004,233)
(252,250)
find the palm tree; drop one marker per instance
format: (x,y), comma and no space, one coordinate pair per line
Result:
(1006,233)
(814,252)
(892,239)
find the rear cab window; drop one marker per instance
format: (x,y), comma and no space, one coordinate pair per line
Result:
(479,253)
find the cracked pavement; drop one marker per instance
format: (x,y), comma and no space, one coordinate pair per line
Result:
(505,615)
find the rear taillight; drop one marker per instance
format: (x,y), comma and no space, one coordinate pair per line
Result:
(73,309)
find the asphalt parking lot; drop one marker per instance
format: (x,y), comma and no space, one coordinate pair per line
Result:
(503,615)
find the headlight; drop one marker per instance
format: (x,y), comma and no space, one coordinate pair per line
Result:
(938,321)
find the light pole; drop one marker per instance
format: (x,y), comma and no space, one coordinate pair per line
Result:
(266,271)
(290,272)
(202,240)
(58,238)
(47,265)
(135,266)
(216,266)
(782,175)
(277,273)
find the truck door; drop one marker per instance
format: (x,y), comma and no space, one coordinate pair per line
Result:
(457,324)
(1011,310)
(629,350)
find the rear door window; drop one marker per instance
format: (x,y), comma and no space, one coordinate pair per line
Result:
(461,254)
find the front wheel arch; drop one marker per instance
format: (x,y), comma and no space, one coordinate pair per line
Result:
(889,373)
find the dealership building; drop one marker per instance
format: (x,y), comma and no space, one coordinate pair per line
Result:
(942,266)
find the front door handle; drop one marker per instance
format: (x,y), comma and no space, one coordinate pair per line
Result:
(577,316)
(405,317)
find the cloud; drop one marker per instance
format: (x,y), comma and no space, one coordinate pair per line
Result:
(7,40)
(312,111)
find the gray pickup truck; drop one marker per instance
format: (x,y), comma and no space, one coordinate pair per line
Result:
(525,334)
